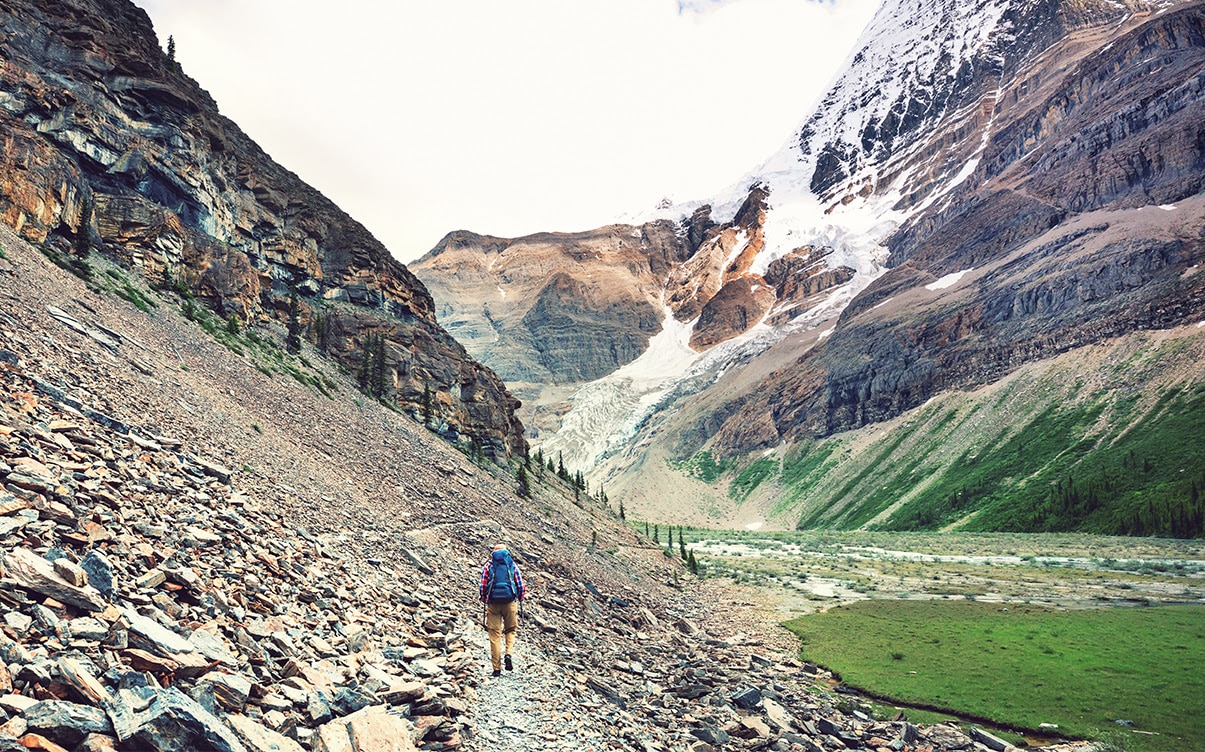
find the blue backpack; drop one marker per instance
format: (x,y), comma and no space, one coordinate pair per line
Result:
(502,578)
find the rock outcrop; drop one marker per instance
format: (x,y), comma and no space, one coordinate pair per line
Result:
(108,144)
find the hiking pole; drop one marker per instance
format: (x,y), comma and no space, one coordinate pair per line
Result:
(484,621)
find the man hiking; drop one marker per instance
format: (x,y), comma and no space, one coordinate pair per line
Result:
(502,593)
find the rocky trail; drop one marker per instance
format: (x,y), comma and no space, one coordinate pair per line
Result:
(529,706)
(198,555)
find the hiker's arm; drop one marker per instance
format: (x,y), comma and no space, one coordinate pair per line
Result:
(519,582)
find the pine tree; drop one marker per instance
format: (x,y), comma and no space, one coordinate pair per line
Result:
(524,485)
(428,406)
(171,47)
(681,544)
(656,533)
(561,472)
(622,514)
(232,325)
(293,339)
(691,563)
(364,373)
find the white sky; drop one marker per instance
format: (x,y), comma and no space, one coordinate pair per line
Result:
(508,117)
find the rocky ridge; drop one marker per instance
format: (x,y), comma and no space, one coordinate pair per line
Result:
(199,556)
(108,144)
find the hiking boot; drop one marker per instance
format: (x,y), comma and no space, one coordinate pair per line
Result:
(497,672)
(509,665)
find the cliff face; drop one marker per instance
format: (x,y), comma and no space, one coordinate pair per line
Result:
(1081,221)
(555,310)
(106,140)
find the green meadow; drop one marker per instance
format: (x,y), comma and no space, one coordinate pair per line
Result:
(1021,665)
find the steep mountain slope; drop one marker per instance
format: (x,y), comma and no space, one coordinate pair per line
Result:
(108,144)
(986,185)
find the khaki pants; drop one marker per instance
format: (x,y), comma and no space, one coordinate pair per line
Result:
(501,619)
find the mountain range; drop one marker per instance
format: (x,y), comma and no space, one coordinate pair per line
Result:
(990,194)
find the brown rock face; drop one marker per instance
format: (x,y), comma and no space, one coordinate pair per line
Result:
(554,307)
(105,137)
(737,307)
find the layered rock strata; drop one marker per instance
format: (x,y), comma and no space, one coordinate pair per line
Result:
(108,144)
(1081,222)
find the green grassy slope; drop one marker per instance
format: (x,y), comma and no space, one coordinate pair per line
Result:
(1108,440)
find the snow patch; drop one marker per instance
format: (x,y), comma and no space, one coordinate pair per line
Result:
(824,335)
(947,281)
(501,292)
(885,302)
(1167,207)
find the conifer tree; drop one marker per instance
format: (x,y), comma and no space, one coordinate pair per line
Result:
(692,563)
(380,369)
(524,485)
(681,544)
(622,515)
(171,47)
(656,533)
(428,408)
(561,472)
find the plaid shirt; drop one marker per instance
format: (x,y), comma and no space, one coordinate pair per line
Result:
(485,581)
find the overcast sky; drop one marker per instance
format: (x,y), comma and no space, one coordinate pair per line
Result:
(508,117)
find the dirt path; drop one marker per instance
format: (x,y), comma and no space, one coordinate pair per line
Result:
(530,708)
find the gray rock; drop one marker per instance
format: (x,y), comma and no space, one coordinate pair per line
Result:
(711,735)
(994,743)
(318,708)
(167,720)
(18,621)
(160,636)
(37,574)
(747,698)
(66,723)
(100,572)
(87,628)
(258,738)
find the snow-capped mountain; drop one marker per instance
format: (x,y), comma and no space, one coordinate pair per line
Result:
(957,139)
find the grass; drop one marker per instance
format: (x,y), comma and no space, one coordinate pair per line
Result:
(1021,665)
(751,477)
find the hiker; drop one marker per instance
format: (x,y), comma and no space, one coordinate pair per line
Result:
(502,593)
